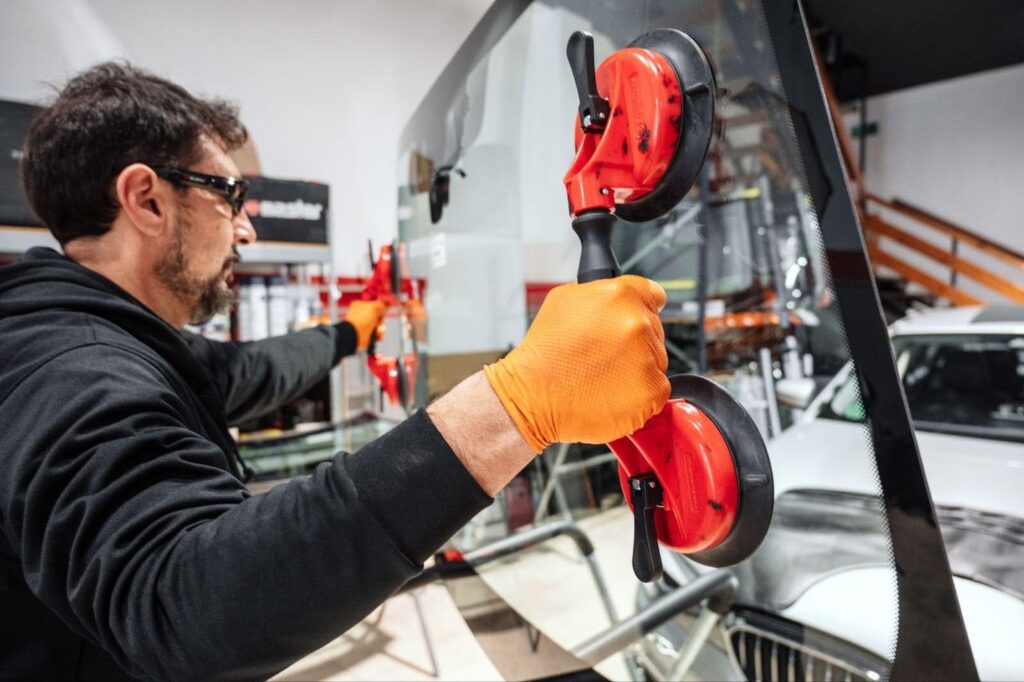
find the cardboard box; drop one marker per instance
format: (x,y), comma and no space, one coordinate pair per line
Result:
(445,371)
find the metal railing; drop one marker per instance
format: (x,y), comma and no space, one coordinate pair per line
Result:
(877,227)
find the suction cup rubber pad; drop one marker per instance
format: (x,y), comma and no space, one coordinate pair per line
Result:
(697,83)
(753,469)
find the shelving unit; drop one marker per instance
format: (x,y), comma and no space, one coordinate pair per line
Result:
(285,253)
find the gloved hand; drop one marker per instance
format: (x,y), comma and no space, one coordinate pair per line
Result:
(365,316)
(592,366)
(416,315)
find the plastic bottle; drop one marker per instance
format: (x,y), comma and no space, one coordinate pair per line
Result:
(258,308)
(277,306)
(244,315)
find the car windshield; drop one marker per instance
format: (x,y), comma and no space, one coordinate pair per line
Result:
(961,384)
(483,219)
(968,384)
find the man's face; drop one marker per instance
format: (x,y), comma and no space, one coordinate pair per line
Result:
(197,265)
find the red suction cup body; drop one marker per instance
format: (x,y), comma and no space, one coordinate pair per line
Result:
(640,134)
(697,475)
(397,375)
(692,462)
(712,479)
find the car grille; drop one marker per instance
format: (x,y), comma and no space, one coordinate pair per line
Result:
(782,654)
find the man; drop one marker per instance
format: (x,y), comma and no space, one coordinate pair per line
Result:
(129,545)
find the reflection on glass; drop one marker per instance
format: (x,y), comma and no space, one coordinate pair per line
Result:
(482,210)
(277,458)
(968,384)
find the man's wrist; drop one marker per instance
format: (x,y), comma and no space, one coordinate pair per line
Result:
(497,375)
(480,432)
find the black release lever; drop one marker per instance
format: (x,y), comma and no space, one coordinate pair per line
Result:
(594,109)
(594,227)
(645,494)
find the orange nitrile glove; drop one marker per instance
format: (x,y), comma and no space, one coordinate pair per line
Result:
(365,316)
(416,314)
(592,366)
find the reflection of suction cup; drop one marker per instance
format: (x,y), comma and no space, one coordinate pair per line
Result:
(391,282)
(439,191)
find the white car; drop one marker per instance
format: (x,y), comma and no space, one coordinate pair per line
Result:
(821,590)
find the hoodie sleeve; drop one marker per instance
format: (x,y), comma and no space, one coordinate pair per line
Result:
(255,377)
(130,530)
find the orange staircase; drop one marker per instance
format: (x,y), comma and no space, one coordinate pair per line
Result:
(881,234)
(894,228)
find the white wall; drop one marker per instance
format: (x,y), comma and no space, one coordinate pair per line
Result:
(325,86)
(956,149)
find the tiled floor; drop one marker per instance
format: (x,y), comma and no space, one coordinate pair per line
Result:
(551,586)
(389,645)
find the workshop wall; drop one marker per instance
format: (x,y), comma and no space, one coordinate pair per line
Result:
(954,148)
(324,86)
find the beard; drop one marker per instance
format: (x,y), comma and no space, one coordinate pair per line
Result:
(204,297)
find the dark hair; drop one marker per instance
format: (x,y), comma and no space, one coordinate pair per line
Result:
(105,119)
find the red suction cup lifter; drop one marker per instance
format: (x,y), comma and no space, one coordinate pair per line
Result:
(696,475)
(629,123)
(711,461)
(378,286)
(397,376)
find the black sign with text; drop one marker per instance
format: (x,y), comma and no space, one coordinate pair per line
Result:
(288,210)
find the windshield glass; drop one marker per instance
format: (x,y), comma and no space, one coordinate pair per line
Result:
(482,213)
(967,384)
(961,384)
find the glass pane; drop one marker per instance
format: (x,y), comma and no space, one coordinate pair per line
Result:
(966,384)
(482,211)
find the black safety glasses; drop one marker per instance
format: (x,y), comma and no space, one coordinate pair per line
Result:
(232,189)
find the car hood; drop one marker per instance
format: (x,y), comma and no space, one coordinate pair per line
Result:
(826,454)
(830,520)
(860,606)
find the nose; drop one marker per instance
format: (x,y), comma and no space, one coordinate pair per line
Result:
(245,233)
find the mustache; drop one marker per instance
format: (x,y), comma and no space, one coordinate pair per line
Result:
(231,260)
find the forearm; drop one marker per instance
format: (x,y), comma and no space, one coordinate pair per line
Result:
(177,575)
(274,578)
(257,376)
(283,574)
(481,434)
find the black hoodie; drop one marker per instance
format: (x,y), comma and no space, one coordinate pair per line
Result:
(128,544)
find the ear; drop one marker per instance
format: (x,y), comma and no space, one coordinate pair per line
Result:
(145,199)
